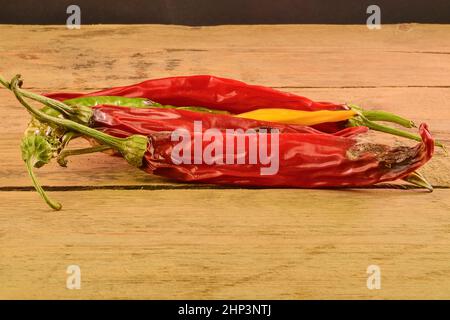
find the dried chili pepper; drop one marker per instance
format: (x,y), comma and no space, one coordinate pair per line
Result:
(220,95)
(210,92)
(120,121)
(339,158)
(355,116)
(306,160)
(307,157)
(236,97)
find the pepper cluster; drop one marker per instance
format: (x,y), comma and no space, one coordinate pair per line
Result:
(316,144)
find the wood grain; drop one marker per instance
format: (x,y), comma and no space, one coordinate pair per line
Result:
(177,242)
(318,56)
(222,244)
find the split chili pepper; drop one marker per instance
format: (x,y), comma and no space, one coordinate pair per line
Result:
(355,115)
(215,94)
(219,90)
(210,92)
(306,118)
(207,92)
(226,96)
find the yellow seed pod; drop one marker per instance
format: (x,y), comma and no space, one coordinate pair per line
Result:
(290,116)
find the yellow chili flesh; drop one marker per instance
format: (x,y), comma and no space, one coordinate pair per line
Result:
(290,116)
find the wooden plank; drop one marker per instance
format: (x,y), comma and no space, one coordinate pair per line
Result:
(222,244)
(236,243)
(292,55)
(102,170)
(323,56)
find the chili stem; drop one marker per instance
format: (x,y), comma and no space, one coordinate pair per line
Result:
(36,152)
(363,121)
(4,83)
(66,153)
(61,107)
(57,105)
(67,137)
(378,115)
(132,148)
(79,114)
(53,204)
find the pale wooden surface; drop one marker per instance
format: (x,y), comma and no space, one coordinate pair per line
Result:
(177,241)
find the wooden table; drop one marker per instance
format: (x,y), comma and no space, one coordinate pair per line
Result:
(137,236)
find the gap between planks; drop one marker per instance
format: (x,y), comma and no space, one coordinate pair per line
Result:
(81,90)
(200,187)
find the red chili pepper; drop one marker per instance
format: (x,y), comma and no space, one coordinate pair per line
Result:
(302,156)
(307,158)
(237,97)
(216,93)
(211,92)
(121,121)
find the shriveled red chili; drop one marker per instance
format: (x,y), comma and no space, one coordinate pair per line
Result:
(307,157)
(234,97)
(216,93)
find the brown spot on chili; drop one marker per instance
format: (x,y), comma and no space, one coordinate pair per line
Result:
(388,157)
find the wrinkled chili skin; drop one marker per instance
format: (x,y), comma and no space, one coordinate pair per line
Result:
(215,93)
(307,158)
(306,161)
(123,121)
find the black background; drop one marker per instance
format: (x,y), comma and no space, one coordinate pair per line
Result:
(214,12)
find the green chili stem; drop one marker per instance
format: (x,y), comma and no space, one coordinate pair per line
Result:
(67,137)
(394,131)
(61,107)
(378,115)
(4,83)
(53,204)
(66,153)
(55,104)
(397,132)
(362,121)
(132,148)
(79,114)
